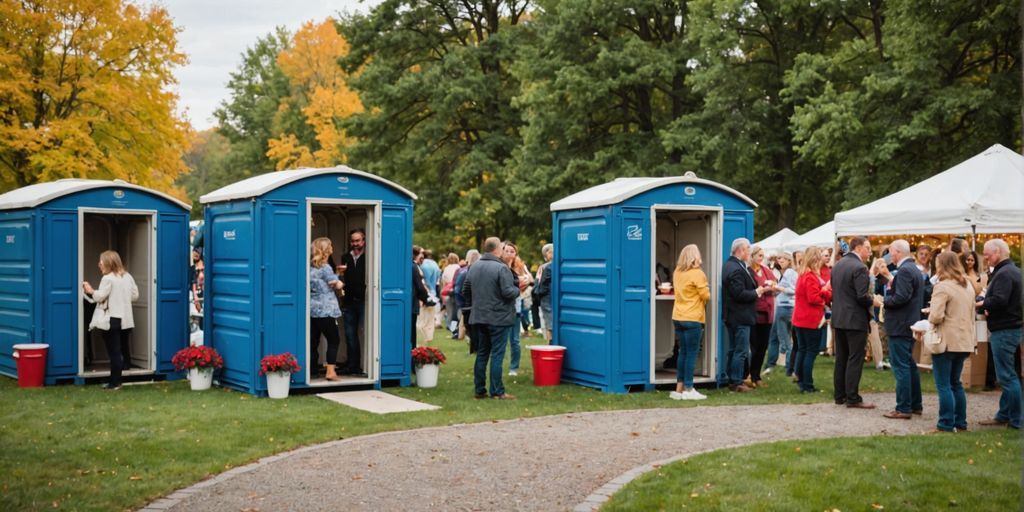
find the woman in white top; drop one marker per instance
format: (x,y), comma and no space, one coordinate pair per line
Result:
(113,313)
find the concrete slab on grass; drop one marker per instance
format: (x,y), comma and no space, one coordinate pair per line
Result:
(377,402)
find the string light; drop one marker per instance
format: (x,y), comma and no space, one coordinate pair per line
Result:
(943,240)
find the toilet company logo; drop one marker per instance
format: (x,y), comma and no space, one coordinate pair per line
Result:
(690,191)
(634,232)
(229,235)
(582,237)
(10,239)
(119,194)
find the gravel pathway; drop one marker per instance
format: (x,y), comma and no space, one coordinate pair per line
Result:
(560,462)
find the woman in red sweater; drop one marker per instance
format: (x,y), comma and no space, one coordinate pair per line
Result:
(812,293)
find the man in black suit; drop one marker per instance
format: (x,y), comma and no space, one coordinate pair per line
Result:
(903,303)
(851,318)
(740,291)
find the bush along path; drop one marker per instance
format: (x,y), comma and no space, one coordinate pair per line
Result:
(561,462)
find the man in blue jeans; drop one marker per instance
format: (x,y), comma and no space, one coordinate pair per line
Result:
(491,289)
(1002,307)
(903,305)
(740,293)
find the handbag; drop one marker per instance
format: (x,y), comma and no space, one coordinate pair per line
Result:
(100,317)
(933,341)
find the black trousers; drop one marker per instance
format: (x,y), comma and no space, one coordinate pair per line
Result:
(113,338)
(329,328)
(759,336)
(849,347)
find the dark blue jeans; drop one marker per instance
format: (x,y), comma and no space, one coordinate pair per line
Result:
(908,380)
(490,351)
(738,353)
(353,316)
(779,341)
(513,343)
(1003,344)
(946,368)
(807,352)
(688,334)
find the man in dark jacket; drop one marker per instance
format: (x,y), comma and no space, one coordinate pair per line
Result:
(851,318)
(353,304)
(903,304)
(493,288)
(740,291)
(1002,306)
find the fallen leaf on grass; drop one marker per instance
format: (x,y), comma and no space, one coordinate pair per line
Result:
(876,506)
(970,461)
(135,477)
(694,495)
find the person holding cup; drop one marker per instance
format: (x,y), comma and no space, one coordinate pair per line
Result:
(765,307)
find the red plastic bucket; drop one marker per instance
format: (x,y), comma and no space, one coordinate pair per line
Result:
(31,362)
(547,364)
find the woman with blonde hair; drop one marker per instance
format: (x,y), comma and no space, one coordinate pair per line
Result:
(323,306)
(510,255)
(812,293)
(113,314)
(765,308)
(781,339)
(691,298)
(952,312)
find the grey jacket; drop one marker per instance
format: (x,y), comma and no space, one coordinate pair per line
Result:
(493,289)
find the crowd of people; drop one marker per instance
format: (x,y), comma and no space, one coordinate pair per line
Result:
(793,304)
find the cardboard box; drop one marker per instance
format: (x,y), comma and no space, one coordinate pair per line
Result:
(975,367)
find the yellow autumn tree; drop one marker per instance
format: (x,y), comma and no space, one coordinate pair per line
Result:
(84,93)
(318,86)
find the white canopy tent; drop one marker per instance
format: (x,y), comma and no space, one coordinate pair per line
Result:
(984,194)
(822,236)
(776,243)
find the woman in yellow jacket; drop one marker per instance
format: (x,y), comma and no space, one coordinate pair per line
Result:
(692,294)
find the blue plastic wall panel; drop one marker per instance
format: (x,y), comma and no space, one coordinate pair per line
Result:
(737,224)
(396,294)
(229,316)
(61,292)
(172,263)
(16,285)
(633,238)
(282,280)
(583,295)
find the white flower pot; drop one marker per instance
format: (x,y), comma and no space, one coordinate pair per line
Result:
(278,384)
(426,375)
(200,378)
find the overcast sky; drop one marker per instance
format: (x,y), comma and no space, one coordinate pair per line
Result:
(215,33)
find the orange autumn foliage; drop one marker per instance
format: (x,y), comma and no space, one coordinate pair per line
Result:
(84,93)
(318,85)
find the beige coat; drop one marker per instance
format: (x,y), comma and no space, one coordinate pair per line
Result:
(114,298)
(952,311)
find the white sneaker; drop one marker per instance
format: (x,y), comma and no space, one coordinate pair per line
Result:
(675,395)
(693,394)
(513,373)
(767,371)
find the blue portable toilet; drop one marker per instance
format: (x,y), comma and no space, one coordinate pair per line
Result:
(613,243)
(51,237)
(257,234)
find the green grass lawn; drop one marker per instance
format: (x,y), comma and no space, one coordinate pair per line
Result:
(976,471)
(80,447)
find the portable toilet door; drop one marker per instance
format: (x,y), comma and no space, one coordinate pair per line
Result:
(53,234)
(257,236)
(614,243)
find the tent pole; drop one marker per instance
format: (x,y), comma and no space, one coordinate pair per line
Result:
(974,236)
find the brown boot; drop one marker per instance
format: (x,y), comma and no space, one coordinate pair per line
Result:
(330,372)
